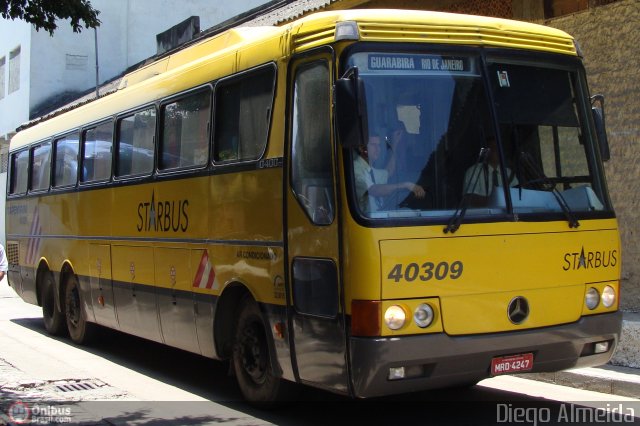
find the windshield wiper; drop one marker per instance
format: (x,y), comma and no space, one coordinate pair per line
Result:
(540,176)
(461,210)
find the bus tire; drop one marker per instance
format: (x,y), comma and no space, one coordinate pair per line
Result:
(252,361)
(80,330)
(54,320)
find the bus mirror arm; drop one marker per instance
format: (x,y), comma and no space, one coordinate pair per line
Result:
(350,109)
(597,109)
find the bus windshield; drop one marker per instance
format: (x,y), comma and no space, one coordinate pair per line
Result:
(439,142)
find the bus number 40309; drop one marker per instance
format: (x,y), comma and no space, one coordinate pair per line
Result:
(426,272)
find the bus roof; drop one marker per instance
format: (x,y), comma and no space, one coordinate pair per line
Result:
(241,48)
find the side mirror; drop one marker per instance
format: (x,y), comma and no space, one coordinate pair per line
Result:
(351,110)
(597,109)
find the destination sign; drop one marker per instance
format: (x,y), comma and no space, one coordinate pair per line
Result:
(437,63)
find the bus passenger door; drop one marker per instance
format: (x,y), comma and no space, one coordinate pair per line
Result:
(101,285)
(315,302)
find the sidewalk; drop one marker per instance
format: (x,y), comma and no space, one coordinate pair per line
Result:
(610,379)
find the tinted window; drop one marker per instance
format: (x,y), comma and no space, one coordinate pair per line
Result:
(41,167)
(66,168)
(97,152)
(311,143)
(243,114)
(19,172)
(185,132)
(136,138)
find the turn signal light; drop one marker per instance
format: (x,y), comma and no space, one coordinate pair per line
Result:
(366,318)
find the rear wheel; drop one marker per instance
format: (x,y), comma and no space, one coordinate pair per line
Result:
(54,320)
(80,330)
(252,360)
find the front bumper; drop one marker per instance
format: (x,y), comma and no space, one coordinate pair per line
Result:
(459,360)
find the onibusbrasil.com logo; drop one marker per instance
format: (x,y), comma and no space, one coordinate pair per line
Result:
(21,413)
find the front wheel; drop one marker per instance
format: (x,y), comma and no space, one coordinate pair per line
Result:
(252,361)
(80,330)
(53,318)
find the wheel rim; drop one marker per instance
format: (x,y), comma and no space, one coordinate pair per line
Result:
(73,306)
(253,353)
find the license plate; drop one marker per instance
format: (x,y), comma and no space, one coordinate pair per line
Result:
(511,364)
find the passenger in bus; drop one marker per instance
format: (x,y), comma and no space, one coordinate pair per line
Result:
(402,162)
(481,178)
(372,183)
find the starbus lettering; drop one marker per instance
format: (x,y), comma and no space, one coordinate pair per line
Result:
(164,216)
(590,259)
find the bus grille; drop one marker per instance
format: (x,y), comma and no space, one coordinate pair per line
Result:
(468,35)
(13,253)
(309,40)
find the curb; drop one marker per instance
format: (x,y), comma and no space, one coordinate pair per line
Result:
(628,351)
(609,379)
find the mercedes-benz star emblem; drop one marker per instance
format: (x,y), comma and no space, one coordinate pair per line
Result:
(518,310)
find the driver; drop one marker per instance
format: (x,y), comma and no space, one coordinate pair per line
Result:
(371,183)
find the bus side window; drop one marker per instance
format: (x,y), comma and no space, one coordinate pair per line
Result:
(96,161)
(19,172)
(41,167)
(243,114)
(311,143)
(185,132)
(136,139)
(66,160)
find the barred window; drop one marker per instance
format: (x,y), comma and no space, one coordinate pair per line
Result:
(3,61)
(14,70)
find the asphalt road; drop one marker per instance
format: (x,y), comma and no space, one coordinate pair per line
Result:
(124,380)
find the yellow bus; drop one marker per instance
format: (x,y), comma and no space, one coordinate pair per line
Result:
(370,202)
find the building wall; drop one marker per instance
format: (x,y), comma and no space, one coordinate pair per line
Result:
(14,107)
(495,8)
(147,18)
(610,39)
(62,63)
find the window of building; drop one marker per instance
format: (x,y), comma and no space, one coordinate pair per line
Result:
(41,167)
(243,113)
(185,132)
(66,160)
(96,152)
(3,61)
(14,70)
(136,141)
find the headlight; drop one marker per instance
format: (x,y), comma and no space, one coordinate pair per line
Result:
(423,315)
(592,298)
(608,296)
(395,317)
